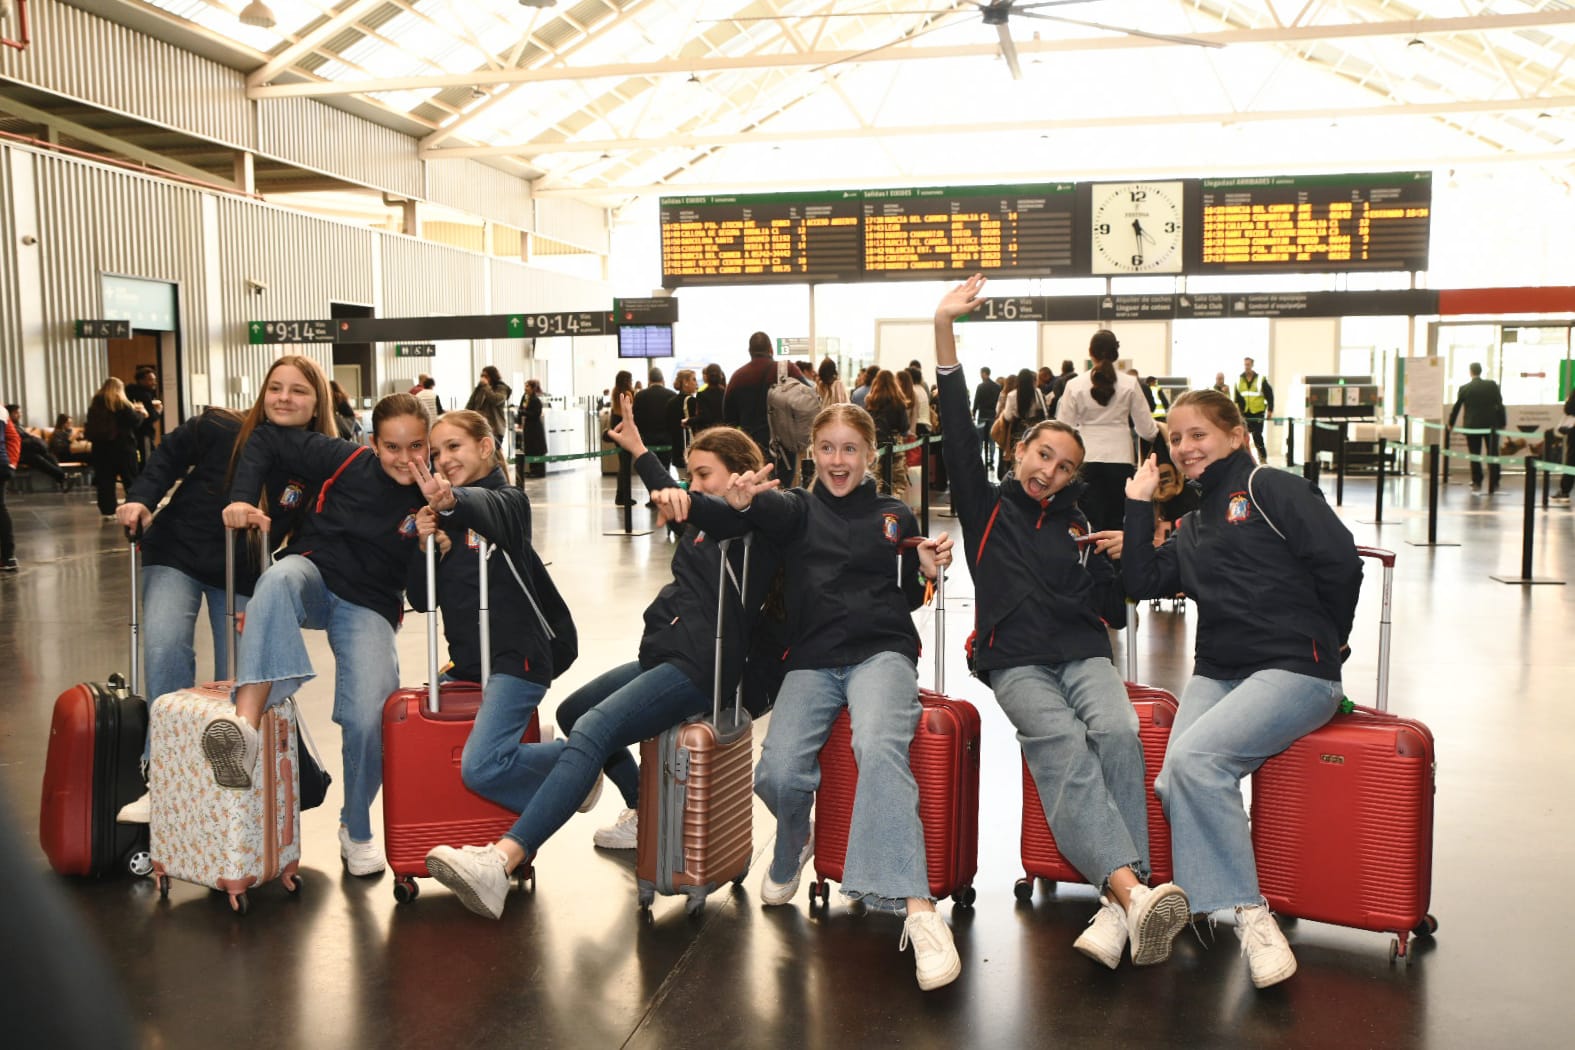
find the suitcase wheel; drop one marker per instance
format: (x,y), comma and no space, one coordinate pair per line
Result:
(1024,889)
(239,903)
(1397,947)
(163,883)
(525,873)
(292,883)
(965,897)
(139,863)
(406,890)
(1426,928)
(694,907)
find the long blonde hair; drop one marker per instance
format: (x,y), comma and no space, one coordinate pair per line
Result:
(113,393)
(475,426)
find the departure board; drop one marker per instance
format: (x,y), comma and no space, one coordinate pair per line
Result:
(1023,231)
(1315,223)
(761,238)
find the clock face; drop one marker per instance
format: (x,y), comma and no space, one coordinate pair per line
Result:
(1137,227)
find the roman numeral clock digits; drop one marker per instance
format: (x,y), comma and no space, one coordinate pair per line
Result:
(1137,227)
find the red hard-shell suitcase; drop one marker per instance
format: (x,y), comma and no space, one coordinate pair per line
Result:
(944,757)
(697,792)
(94,767)
(425,801)
(1156,710)
(1342,820)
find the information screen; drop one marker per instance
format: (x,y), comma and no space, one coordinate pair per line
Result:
(1312,223)
(1023,231)
(760,238)
(645,340)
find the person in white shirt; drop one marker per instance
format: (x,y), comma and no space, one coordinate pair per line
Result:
(1106,406)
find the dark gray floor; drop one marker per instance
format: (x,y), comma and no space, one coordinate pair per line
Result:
(1488,666)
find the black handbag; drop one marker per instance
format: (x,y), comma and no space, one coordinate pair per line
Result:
(315,780)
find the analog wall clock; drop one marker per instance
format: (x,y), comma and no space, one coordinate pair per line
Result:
(1137,227)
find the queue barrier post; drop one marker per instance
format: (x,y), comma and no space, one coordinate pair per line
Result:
(1290,442)
(1433,457)
(1378,498)
(1527,533)
(1339,467)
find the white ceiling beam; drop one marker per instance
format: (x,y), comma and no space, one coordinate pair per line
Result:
(1133,120)
(308,41)
(1273,35)
(1333,165)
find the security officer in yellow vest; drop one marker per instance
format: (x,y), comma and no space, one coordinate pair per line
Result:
(1255,398)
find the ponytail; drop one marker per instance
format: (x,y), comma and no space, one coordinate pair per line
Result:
(1104,348)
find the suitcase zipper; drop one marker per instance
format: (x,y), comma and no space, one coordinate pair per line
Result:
(106,750)
(270,828)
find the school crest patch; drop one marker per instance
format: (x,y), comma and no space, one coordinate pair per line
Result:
(891,527)
(290,498)
(407,528)
(1076,531)
(1239,508)
(472,540)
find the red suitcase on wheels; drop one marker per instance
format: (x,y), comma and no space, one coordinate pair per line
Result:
(425,802)
(1342,820)
(1156,711)
(945,761)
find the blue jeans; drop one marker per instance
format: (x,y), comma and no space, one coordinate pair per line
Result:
(291,595)
(623,706)
(1224,731)
(621,766)
(1079,733)
(169,634)
(494,764)
(886,862)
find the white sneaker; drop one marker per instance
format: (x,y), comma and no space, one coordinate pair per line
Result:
(774,893)
(138,812)
(935,959)
(1106,936)
(1155,914)
(476,874)
(1269,958)
(624,833)
(594,796)
(360,858)
(230,745)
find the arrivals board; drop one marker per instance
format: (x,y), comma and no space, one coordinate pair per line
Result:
(761,238)
(1315,223)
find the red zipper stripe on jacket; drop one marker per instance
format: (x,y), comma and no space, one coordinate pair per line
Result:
(323,492)
(987,527)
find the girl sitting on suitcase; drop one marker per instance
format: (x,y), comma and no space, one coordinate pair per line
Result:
(1044,599)
(183,548)
(853,645)
(344,574)
(1275,576)
(670,682)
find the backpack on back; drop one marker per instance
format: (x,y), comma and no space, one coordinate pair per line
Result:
(791,407)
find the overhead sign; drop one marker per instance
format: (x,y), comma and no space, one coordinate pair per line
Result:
(103,329)
(585,322)
(661,309)
(1112,308)
(260,332)
(415,349)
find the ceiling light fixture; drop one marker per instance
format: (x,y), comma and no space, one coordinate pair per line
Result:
(258,14)
(1416,41)
(538,3)
(694,78)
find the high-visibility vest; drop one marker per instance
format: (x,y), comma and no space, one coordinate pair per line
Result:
(1252,393)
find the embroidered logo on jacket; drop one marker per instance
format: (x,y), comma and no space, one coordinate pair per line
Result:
(472,540)
(1238,509)
(290,498)
(1076,531)
(407,528)
(891,528)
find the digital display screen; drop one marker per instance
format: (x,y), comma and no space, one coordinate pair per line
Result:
(759,239)
(645,340)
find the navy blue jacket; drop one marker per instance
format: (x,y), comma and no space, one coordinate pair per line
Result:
(360,532)
(188,534)
(1037,602)
(500,513)
(1263,602)
(846,598)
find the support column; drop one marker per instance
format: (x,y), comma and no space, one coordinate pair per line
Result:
(246,172)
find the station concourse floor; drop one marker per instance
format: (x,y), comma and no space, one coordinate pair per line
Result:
(1487,665)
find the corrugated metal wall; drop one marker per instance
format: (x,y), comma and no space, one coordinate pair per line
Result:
(421,279)
(480,190)
(307,263)
(85,57)
(573,223)
(93,221)
(10,305)
(324,139)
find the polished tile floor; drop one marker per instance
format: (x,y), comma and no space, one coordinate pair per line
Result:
(1487,665)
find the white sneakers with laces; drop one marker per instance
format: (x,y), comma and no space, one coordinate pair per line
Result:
(773,893)
(229,743)
(1155,914)
(1269,957)
(360,859)
(593,796)
(624,833)
(935,958)
(1106,936)
(476,874)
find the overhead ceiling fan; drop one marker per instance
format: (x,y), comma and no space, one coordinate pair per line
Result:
(997,13)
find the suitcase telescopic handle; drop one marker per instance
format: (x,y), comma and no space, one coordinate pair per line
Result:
(134,539)
(724,546)
(231,617)
(912,543)
(1132,656)
(432,624)
(484,595)
(1387,558)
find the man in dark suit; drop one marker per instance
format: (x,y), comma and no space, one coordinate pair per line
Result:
(650,415)
(1484,406)
(145,392)
(986,399)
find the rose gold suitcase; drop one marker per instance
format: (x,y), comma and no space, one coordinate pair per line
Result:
(697,793)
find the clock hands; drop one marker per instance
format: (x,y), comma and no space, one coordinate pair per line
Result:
(1141,234)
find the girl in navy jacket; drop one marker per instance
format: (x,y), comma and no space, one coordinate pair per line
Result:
(671,680)
(852,644)
(344,573)
(1275,576)
(1044,602)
